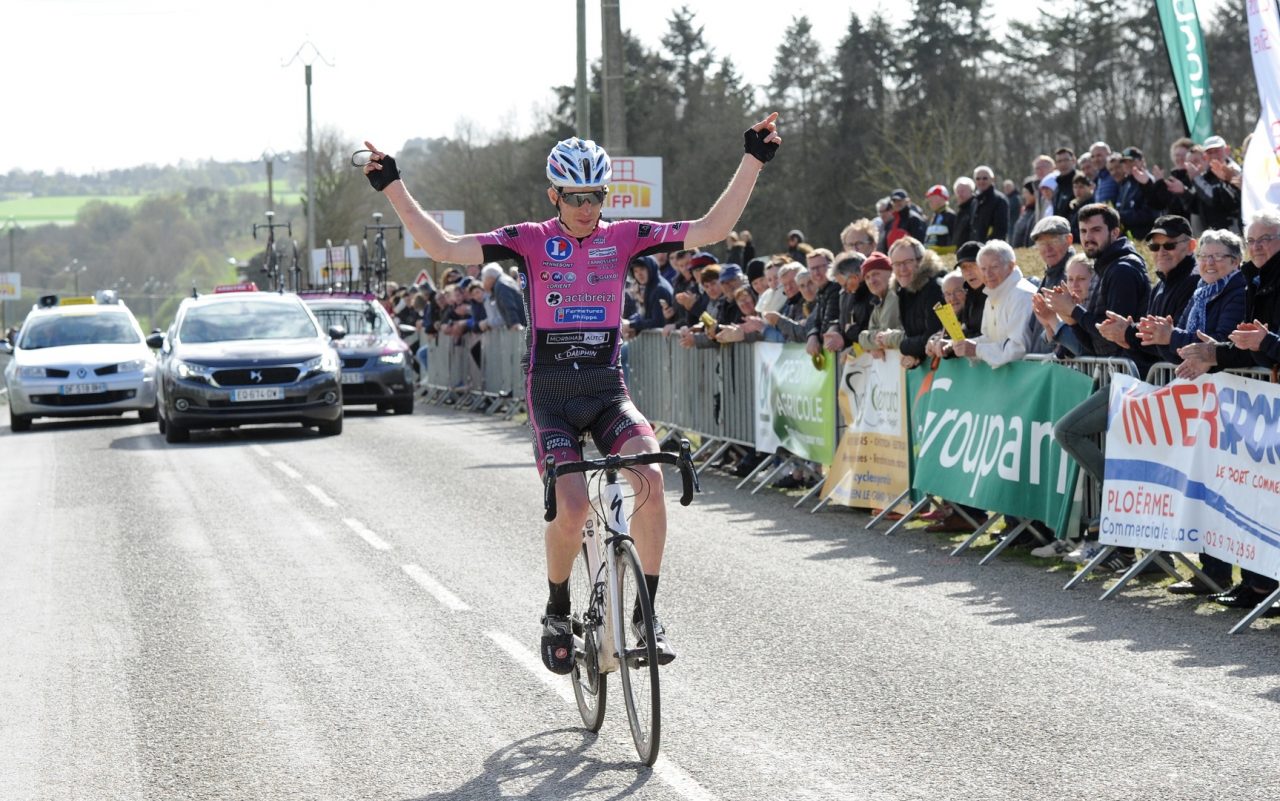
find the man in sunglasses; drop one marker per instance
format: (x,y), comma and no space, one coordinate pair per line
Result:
(573,270)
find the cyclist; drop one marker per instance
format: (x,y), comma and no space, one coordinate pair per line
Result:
(573,270)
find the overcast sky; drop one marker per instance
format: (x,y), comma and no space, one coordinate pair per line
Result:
(100,84)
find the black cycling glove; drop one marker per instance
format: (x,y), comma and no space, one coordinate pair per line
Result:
(756,146)
(382,178)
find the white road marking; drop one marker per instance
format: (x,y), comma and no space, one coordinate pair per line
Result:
(366,535)
(283,467)
(320,496)
(261,451)
(666,770)
(437,590)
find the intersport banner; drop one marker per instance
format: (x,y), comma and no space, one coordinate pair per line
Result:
(1191,468)
(872,465)
(1182,39)
(1261,178)
(795,402)
(984,437)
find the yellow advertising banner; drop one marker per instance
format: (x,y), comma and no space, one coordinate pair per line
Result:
(872,463)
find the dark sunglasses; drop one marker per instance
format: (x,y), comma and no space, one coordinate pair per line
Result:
(595,198)
(1166,246)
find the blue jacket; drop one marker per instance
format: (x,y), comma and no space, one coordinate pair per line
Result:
(1221,316)
(656,291)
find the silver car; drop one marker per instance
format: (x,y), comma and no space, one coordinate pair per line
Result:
(79,357)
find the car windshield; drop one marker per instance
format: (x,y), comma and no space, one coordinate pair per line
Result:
(59,330)
(365,319)
(236,320)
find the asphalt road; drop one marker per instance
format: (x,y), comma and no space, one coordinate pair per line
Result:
(269,614)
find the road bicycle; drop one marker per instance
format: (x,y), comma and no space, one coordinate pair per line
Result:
(375,256)
(603,580)
(271,263)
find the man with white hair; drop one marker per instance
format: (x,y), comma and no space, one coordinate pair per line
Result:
(503,301)
(963,189)
(1005,313)
(1105,186)
(990,218)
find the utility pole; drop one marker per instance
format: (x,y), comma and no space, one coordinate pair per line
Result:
(311,157)
(583,101)
(615,110)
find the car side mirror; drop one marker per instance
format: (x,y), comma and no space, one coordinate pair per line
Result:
(407,330)
(155,341)
(337,332)
(6,346)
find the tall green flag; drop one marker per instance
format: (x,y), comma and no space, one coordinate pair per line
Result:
(1181,26)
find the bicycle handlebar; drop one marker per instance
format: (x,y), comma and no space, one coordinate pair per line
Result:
(682,460)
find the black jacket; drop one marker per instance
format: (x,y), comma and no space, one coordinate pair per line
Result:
(962,231)
(990,216)
(975,300)
(827,310)
(1121,285)
(915,306)
(1169,297)
(1262,302)
(855,312)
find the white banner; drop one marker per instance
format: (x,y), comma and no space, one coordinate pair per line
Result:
(1192,467)
(455,222)
(636,190)
(10,286)
(872,464)
(335,265)
(1261,179)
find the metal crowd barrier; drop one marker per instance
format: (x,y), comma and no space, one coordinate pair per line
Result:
(495,385)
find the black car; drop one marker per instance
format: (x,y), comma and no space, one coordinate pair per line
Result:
(240,356)
(377,367)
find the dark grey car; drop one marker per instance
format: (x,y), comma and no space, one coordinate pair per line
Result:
(377,367)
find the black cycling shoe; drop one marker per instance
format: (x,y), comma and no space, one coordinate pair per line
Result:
(557,643)
(666,654)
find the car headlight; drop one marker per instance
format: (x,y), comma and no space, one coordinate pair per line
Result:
(135,366)
(392,358)
(189,370)
(32,372)
(326,362)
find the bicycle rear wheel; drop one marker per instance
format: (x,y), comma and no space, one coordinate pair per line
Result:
(589,684)
(639,665)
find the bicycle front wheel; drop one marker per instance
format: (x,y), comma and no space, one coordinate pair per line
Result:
(587,612)
(639,665)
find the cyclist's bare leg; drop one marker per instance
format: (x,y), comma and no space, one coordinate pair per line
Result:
(564,534)
(649,521)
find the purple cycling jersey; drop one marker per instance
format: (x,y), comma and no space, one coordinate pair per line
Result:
(573,288)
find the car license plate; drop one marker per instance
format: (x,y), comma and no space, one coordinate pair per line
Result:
(257,394)
(352,378)
(83,389)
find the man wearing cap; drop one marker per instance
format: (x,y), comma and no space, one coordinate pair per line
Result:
(796,248)
(942,223)
(905,219)
(967,263)
(1052,239)
(1131,199)
(691,299)
(1217,195)
(876,272)
(990,209)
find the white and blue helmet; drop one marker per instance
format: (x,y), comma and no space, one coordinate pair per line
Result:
(578,163)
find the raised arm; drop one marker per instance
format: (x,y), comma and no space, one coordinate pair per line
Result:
(437,242)
(762,142)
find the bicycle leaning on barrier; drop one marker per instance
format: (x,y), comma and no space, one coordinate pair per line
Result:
(271,263)
(608,573)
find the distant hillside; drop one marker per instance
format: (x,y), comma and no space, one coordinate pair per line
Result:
(150,180)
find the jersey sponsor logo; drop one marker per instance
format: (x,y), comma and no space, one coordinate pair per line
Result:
(599,240)
(544,275)
(575,353)
(511,231)
(600,278)
(559,248)
(554,298)
(588,297)
(557,276)
(580,314)
(579,337)
(602,253)
(559,286)
(556,441)
(571,277)
(676,227)
(524,281)
(644,230)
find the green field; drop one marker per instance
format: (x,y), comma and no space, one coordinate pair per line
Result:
(31,211)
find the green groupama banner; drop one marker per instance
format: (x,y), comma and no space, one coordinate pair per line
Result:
(984,437)
(1181,26)
(795,402)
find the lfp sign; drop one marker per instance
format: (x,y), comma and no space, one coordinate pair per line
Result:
(636,190)
(10,286)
